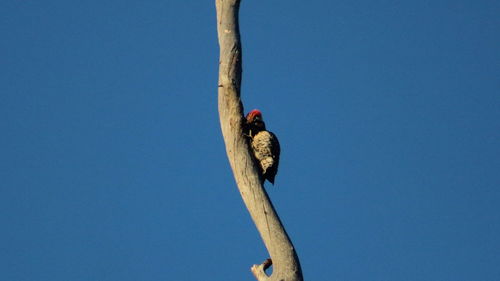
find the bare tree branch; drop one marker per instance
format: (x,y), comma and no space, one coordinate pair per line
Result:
(284,259)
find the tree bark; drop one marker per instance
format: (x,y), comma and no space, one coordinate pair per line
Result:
(284,259)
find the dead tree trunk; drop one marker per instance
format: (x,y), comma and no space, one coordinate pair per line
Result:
(284,259)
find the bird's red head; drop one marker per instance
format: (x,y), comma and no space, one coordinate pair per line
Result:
(252,115)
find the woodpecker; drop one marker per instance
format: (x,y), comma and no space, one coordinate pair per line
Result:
(264,144)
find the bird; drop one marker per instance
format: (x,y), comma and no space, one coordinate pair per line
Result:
(264,144)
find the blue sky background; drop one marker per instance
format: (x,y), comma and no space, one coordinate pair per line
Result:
(113,165)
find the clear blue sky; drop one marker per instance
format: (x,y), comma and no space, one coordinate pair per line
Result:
(113,165)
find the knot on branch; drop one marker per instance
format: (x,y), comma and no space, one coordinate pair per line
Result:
(259,271)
